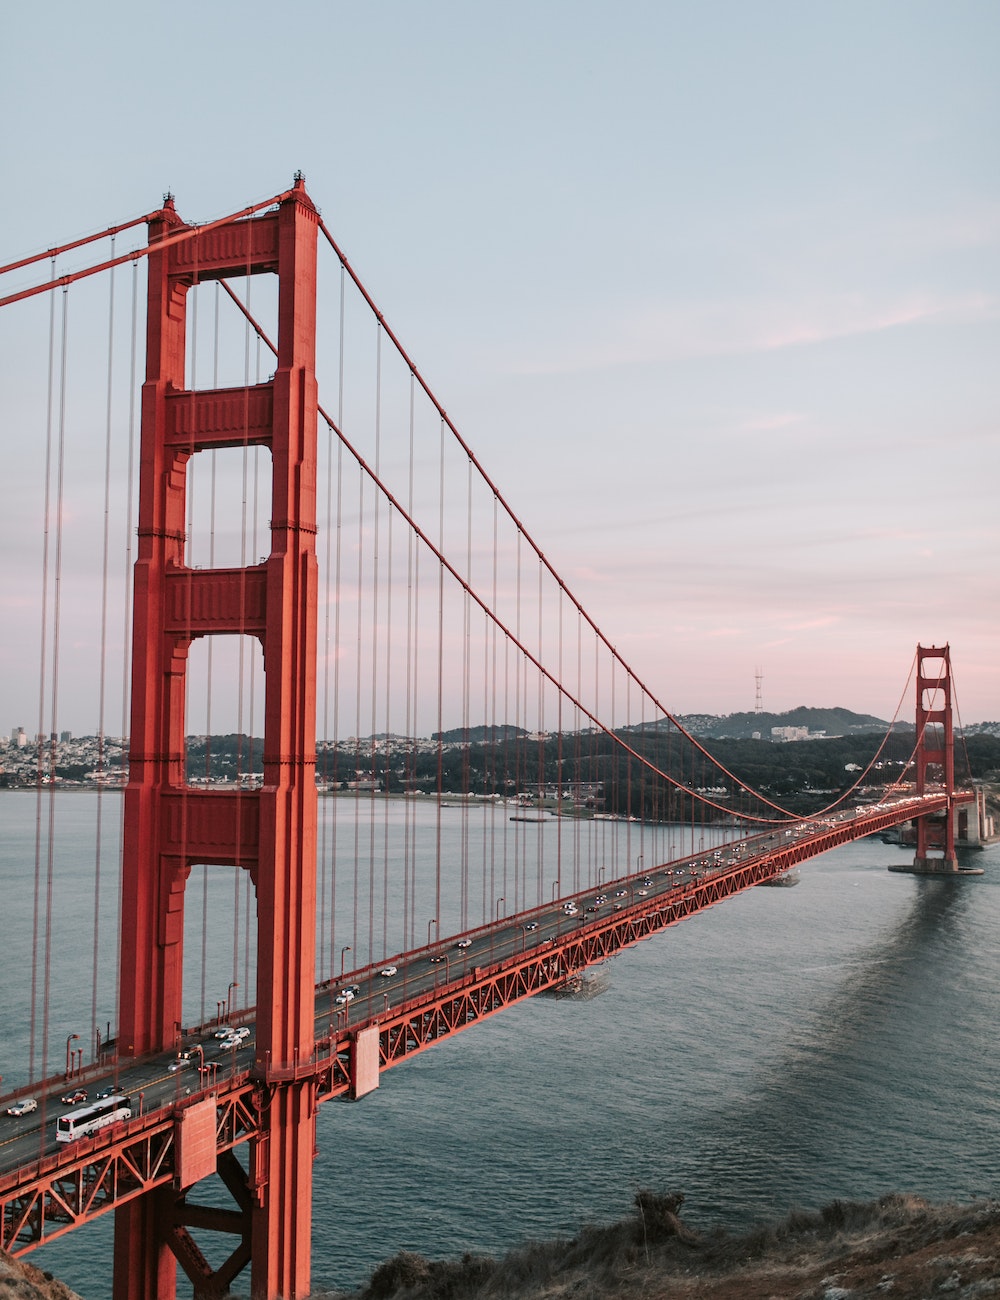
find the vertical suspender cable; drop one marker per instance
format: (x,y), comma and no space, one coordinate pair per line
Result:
(410,728)
(102,669)
(338,561)
(357,708)
(440,677)
(54,692)
(42,660)
(466,686)
(376,594)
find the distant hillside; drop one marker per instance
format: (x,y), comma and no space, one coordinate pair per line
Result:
(741,726)
(478,735)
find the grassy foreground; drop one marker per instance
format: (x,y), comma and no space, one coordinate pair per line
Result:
(898,1247)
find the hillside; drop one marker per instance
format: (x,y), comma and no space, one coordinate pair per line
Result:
(742,726)
(898,1247)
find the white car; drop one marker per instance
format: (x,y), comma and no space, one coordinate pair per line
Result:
(23,1107)
(226,1032)
(345,995)
(464,943)
(388,971)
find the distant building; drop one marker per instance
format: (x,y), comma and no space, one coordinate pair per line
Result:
(789,733)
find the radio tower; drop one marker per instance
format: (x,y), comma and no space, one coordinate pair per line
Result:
(758,707)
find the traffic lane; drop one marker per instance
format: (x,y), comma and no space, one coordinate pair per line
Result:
(420,974)
(151,1085)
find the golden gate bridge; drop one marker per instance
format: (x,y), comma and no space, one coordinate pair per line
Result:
(286,533)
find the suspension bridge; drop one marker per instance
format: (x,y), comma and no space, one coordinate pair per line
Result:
(279,529)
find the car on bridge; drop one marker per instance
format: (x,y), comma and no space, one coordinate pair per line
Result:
(75,1097)
(464,943)
(388,972)
(236,1038)
(26,1106)
(347,994)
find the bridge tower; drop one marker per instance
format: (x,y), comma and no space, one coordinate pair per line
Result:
(935,749)
(270,832)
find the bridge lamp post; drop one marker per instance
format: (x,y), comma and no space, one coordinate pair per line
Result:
(432,921)
(233,984)
(68,1057)
(600,876)
(555,885)
(346,949)
(499,901)
(638,863)
(220,1006)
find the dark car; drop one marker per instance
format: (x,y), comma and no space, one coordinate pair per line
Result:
(74,1098)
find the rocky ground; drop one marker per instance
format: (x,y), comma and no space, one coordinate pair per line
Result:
(20,1280)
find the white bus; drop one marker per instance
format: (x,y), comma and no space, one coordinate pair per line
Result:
(88,1119)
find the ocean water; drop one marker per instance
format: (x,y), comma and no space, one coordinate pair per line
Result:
(785,1048)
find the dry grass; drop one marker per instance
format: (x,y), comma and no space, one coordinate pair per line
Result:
(899,1247)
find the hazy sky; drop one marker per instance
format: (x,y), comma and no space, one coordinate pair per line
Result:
(711,288)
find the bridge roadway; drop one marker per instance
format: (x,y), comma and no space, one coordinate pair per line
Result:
(49,1188)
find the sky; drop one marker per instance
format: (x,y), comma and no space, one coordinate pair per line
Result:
(711,289)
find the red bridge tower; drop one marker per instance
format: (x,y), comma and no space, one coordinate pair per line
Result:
(271,832)
(935,749)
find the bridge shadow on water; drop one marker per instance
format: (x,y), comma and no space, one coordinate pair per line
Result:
(855,1102)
